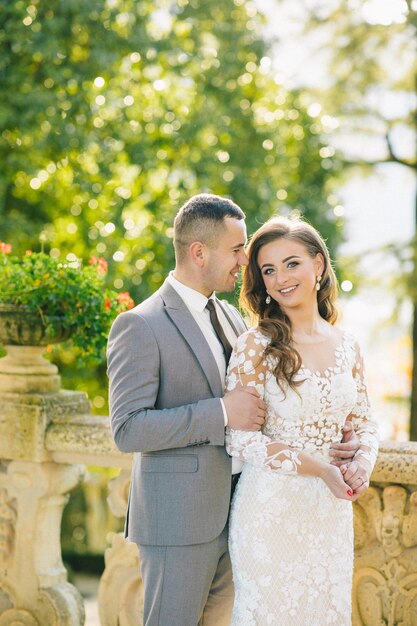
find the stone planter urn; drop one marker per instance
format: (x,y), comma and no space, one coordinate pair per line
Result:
(25,336)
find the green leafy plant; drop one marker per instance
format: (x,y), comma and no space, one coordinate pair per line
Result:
(72,291)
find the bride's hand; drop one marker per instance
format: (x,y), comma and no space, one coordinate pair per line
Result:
(333,478)
(357,475)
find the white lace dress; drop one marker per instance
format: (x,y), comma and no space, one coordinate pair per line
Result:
(291,540)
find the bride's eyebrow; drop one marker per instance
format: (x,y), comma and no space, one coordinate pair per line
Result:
(293,256)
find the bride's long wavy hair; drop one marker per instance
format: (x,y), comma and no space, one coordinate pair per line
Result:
(269,317)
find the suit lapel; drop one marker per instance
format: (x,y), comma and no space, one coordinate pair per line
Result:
(189,329)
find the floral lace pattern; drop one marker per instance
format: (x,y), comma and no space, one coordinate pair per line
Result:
(291,540)
(291,546)
(309,418)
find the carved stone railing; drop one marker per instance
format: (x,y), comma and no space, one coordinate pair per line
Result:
(46,439)
(385,576)
(47,436)
(87,439)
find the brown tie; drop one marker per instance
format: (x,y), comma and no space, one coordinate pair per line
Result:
(227,348)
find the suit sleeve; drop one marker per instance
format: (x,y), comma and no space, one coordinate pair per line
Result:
(134,371)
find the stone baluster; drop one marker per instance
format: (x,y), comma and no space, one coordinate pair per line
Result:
(120,591)
(385,575)
(87,439)
(33,491)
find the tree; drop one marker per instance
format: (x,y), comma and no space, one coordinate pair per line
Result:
(119,114)
(123,110)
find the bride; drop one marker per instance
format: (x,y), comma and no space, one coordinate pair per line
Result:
(291,530)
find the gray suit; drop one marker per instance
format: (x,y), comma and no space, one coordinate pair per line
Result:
(164,401)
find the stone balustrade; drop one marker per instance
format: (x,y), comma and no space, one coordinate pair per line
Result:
(47,436)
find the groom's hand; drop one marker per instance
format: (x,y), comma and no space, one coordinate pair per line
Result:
(245,409)
(344,452)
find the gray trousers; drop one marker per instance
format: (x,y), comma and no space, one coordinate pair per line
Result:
(187,585)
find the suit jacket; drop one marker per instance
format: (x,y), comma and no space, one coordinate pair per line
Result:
(165,391)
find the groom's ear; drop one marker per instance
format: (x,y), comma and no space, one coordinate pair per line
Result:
(197,253)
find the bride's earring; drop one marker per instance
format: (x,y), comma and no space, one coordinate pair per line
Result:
(318,283)
(268,299)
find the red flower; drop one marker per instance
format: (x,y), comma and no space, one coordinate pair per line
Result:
(6,248)
(107,303)
(100,263)
(124,299)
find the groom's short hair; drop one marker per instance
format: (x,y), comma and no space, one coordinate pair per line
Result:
(200,219)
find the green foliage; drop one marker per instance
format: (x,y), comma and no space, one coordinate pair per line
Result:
(124,109)
(71,291)
(371,88)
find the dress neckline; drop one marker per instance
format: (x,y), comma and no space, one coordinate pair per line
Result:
(331,369)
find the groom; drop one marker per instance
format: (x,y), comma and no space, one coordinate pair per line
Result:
(167,363)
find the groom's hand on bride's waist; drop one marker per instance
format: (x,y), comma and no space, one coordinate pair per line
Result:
(344,452)
(245,409)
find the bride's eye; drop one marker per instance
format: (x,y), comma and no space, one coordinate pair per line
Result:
(292,264)
(268,271)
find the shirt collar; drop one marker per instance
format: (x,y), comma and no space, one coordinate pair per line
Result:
(192,298)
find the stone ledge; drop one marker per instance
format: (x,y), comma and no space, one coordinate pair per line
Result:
(24,419)
(84,439)
(397,463)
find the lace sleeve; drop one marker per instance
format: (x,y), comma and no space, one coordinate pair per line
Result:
(365,427)
(249,367)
